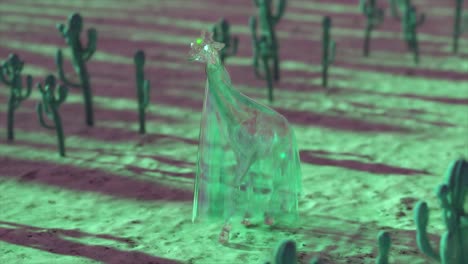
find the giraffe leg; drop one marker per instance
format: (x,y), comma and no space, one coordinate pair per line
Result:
(243,177)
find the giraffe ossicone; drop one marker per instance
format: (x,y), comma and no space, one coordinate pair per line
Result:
(248,166)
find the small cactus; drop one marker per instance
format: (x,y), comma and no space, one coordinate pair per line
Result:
(49,105)
(410,23)
(328,50)
(384,247)
(285,253)
(264,51)
(10,74)
(268,21)
(143,87)
(80,56)
(457,29)
(222,34)
(452,196)
(374,16)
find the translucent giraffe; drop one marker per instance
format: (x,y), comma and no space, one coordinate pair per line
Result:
(248,161)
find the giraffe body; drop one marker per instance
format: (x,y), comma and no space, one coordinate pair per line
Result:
(248,162)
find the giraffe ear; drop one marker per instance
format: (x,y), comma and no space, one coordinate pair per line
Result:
(218,45)
(208,37)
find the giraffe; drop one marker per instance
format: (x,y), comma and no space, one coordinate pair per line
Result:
(266,174)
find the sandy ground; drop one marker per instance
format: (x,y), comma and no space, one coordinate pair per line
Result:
(374,143)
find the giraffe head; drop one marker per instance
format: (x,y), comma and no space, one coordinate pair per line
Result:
(205,49)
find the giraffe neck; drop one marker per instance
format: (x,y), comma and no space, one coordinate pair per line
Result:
(225,97)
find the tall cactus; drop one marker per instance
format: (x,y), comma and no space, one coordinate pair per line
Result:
(80,56)
(457,24)
(49,105)
(374,16)
(452,196)
(264,52)
(268,22)
(143,87)
(222,34)
(384,247)
(328,49)
(10,74)
(411,21)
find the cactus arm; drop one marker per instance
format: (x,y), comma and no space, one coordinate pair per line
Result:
(4,72)
(280,7)
(29,86)
(91,47)
(255,45)
(146,91)
(63,78)
(61,28)
(233,50)
(63,93)
(421,217)
(215,31)
(394,6)
(40,114)
(363,6)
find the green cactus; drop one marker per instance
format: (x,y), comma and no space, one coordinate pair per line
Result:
(374,17)
(452,196)
(328,50)
(268,21)
(49,105)
(411,21)
(143,87)
(10,74)
(384,247)
(222,34)
(457,30)
(263,51)
(285,253)
(80,56)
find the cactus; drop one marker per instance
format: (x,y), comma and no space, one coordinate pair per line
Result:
(222,34)
(80,56)
(49,105)
(268,21)
(456,25)
(452,196)
(10,74)
(374,17)
(384,247)
(411,22)
(143,87)
(263,51)
(285,253)
(328,50)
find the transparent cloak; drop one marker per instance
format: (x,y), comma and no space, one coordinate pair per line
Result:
(230,181)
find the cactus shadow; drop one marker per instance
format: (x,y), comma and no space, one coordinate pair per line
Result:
(57,241)
(316,158)
(309,118)
(91,180)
